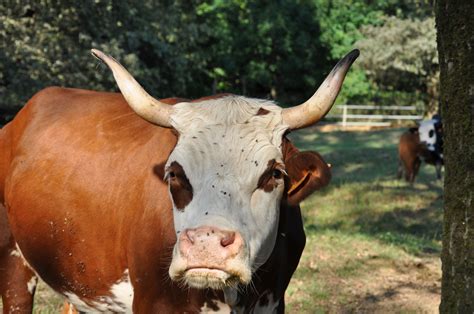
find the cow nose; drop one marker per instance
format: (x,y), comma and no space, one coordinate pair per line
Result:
(190,235)
(202,242)
(228,239)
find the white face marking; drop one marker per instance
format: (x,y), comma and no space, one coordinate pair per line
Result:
(224,147)
(120,299)
(428,134)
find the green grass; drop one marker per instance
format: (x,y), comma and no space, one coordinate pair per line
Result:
(364,221)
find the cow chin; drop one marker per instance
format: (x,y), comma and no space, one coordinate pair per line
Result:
(202,278)
(218,278)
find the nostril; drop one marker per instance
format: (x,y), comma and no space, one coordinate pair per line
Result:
(228,239)
(190,234)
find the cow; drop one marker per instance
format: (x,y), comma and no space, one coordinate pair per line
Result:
(122,202)
(422,143)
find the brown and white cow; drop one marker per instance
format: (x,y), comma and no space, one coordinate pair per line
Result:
(422,143)
(121,202)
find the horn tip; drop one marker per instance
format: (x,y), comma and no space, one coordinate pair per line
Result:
(97,53)
(352,56)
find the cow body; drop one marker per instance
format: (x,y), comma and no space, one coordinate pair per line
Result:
(91,216)
(423,143)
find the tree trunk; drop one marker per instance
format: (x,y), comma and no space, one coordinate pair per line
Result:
(455,23)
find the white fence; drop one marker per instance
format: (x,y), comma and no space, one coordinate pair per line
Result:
(374,119)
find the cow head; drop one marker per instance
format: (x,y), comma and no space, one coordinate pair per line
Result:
(229,172)
(428,134)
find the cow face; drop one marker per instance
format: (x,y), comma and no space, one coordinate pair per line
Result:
(427,133)
(226,178)
(227,174)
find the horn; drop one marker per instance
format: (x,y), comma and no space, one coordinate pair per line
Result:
(139,100)
(315,108)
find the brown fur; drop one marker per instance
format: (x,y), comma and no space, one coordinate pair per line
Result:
(409,149)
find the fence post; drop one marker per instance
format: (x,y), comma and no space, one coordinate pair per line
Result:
(344,115)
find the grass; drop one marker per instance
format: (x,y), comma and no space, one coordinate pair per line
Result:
(370,237)
(365,222)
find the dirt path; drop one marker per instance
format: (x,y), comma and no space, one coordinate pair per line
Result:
(407,286)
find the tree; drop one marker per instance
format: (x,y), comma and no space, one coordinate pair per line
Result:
(266,48)
(344,23)
(47,42)
(401,55)
(456,54)
(278,49)
(340,22)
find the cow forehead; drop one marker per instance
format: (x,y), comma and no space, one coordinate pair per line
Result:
(427,125)
(227,133)
(228,110)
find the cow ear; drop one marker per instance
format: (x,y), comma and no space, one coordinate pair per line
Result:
(307,172)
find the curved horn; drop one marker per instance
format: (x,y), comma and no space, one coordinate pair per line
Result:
(141,102)
(315,108)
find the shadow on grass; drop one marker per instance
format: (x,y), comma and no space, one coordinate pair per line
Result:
(417,231)
(364,167)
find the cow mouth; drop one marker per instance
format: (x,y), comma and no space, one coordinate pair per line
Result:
(214,278)
(217,277)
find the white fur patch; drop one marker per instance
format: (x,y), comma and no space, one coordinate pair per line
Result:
(221,308)
(17,252)
(122,293)
(78,303)
(32,284)
(120,299)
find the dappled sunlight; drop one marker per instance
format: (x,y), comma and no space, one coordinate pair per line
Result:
(367,222)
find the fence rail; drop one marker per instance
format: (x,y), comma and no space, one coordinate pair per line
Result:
(345,116)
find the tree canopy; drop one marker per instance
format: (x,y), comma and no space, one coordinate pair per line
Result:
(278,49)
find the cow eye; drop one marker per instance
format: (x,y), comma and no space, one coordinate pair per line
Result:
(431,133)
(171,175)
(277,174)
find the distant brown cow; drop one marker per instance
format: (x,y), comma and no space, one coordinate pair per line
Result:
(423,143)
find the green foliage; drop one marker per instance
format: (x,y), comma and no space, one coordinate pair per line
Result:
(267,49)
(279,49)
(401,55)
(357,88)
(398,49)
(47,43)
(184,48)
(340,22)
(399,46)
